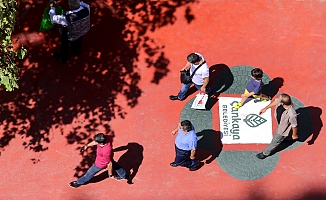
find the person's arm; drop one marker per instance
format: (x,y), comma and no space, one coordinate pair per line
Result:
(192,154)
(175,130)
(294,125)
(58,19)
(273,103)
(85,5)
(187,66)
(203,88)
(294,133)
(88,145)
(109,168)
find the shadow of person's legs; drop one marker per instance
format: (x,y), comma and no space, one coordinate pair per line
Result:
(131,159)
(209,145)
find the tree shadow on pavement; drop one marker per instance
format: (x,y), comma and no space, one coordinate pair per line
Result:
(78,98)
(209,145)
(311,192)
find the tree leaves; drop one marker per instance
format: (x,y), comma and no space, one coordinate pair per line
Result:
(8,55)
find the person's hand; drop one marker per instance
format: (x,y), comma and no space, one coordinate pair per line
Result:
(192,157)
(173,132)
(203,89)
(294,137)
(262,111)
(83,149)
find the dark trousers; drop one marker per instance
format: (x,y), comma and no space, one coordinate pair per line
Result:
(66,45)
(182,158)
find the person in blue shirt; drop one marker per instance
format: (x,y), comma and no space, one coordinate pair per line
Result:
(253,88)
(185,146)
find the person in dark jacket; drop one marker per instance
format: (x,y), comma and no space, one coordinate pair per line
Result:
(74,24)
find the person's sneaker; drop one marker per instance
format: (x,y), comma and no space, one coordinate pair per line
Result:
(121,179)
(261,156)
(73,184)
(173,164)
(173,98)
(265,99)
(257,100)
(238,105)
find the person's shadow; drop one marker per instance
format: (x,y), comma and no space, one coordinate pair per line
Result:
(221,79)
(309,123)
(131,159)
(273,86)
(209,145)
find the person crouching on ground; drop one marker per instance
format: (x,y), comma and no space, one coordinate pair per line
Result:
(253,88)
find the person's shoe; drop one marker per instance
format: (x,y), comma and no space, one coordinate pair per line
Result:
(73,184)
(59,58)
(257,100)
(121,179)
(173,164)
(265,99)
(238,105)
(261,156)
(194,168)
(173,98)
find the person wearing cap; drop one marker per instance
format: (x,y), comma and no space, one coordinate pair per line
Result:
(200,78)
(104,159)
(287,128)
(74,24)
(185,146)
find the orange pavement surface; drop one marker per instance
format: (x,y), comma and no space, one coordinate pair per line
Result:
(129,66)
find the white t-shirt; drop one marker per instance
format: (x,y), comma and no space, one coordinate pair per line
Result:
(201,73)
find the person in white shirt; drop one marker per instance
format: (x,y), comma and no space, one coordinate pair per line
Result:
(74,24)
(200,78)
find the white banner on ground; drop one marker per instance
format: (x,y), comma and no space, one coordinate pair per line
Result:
(245,125)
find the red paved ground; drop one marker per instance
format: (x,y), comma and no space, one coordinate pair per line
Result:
(58,108)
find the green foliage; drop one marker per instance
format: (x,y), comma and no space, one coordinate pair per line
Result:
(8,54)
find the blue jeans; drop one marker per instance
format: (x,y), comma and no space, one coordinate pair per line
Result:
(94,169)
(182,158)
(185,87)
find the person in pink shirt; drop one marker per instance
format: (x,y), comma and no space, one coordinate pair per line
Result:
(104,159)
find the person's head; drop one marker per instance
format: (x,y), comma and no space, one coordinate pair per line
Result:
(257,73)
(74,4)
(193,58)
(100,138)
(186,125)
(285,99)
